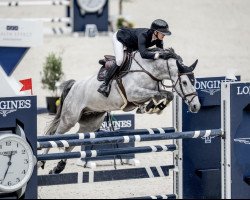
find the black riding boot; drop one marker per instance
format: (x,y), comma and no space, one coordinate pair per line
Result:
(105,88)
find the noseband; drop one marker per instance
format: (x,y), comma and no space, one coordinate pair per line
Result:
(185,96)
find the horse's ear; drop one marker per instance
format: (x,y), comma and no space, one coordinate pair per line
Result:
(193,66)
(181,68)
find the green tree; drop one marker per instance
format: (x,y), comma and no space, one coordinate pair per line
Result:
(52,72)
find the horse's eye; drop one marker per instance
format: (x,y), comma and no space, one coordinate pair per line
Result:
(184,83)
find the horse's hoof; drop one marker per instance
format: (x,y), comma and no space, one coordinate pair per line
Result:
(41,164)
(139,111)
(59,168)
(54,171)
(159,112)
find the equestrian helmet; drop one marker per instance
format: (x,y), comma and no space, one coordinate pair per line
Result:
(160,26)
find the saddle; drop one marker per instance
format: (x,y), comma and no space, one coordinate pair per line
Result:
(109,61)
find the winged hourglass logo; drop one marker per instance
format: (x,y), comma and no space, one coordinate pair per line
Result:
(7,107)
(208,140)
(243,140)
(4,113)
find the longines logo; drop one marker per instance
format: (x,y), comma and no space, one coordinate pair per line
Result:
(117,124)
(243,90)
(210,87)
(7,107)
(243,140)
(208,140)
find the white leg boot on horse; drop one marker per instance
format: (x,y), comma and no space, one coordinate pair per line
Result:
(161,103)
(157,104)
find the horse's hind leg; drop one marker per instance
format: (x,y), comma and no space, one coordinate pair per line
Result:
(64,126)
(88,123)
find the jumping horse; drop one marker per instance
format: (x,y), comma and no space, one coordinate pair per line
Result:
(143,82)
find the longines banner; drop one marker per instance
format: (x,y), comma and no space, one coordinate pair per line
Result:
(120,122)
(21,33)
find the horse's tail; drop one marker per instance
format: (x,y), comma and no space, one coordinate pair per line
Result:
(55,123)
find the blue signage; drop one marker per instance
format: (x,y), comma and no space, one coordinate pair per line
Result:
(10,58)
(120,122)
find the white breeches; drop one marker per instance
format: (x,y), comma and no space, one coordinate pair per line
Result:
(118,50)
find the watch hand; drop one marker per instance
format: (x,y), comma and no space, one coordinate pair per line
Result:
(9,164)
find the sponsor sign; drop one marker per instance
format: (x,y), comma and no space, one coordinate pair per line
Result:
(21,33)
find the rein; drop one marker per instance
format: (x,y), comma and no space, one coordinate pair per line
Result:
(173,86)
(145,71)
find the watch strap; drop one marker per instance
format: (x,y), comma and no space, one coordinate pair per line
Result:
(8,195)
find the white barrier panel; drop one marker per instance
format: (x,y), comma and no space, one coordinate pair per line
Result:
(51,20)
(21,33)
(35,3)
(9,87)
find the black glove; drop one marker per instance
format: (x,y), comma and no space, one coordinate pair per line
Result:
(170,54)
(167,56)
(162,55)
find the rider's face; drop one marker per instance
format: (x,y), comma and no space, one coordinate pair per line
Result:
(160,36)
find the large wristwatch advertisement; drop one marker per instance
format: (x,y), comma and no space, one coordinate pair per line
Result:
(91,6)
(17,163)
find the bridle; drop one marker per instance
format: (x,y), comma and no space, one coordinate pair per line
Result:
(184,96)
(174,84)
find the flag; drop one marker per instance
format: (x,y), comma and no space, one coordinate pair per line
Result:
(27,85)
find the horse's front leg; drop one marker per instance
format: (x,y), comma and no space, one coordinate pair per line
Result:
(160,102)
(142,95)
(157,104)
(169,96)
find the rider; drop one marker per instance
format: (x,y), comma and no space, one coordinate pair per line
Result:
(136,39)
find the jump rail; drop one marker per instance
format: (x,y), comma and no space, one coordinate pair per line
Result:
(105,134)
(128,139)
(107,152)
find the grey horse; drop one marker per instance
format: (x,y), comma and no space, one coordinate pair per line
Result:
(81,103)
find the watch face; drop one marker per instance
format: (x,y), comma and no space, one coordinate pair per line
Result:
(91,5)
(16,162)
